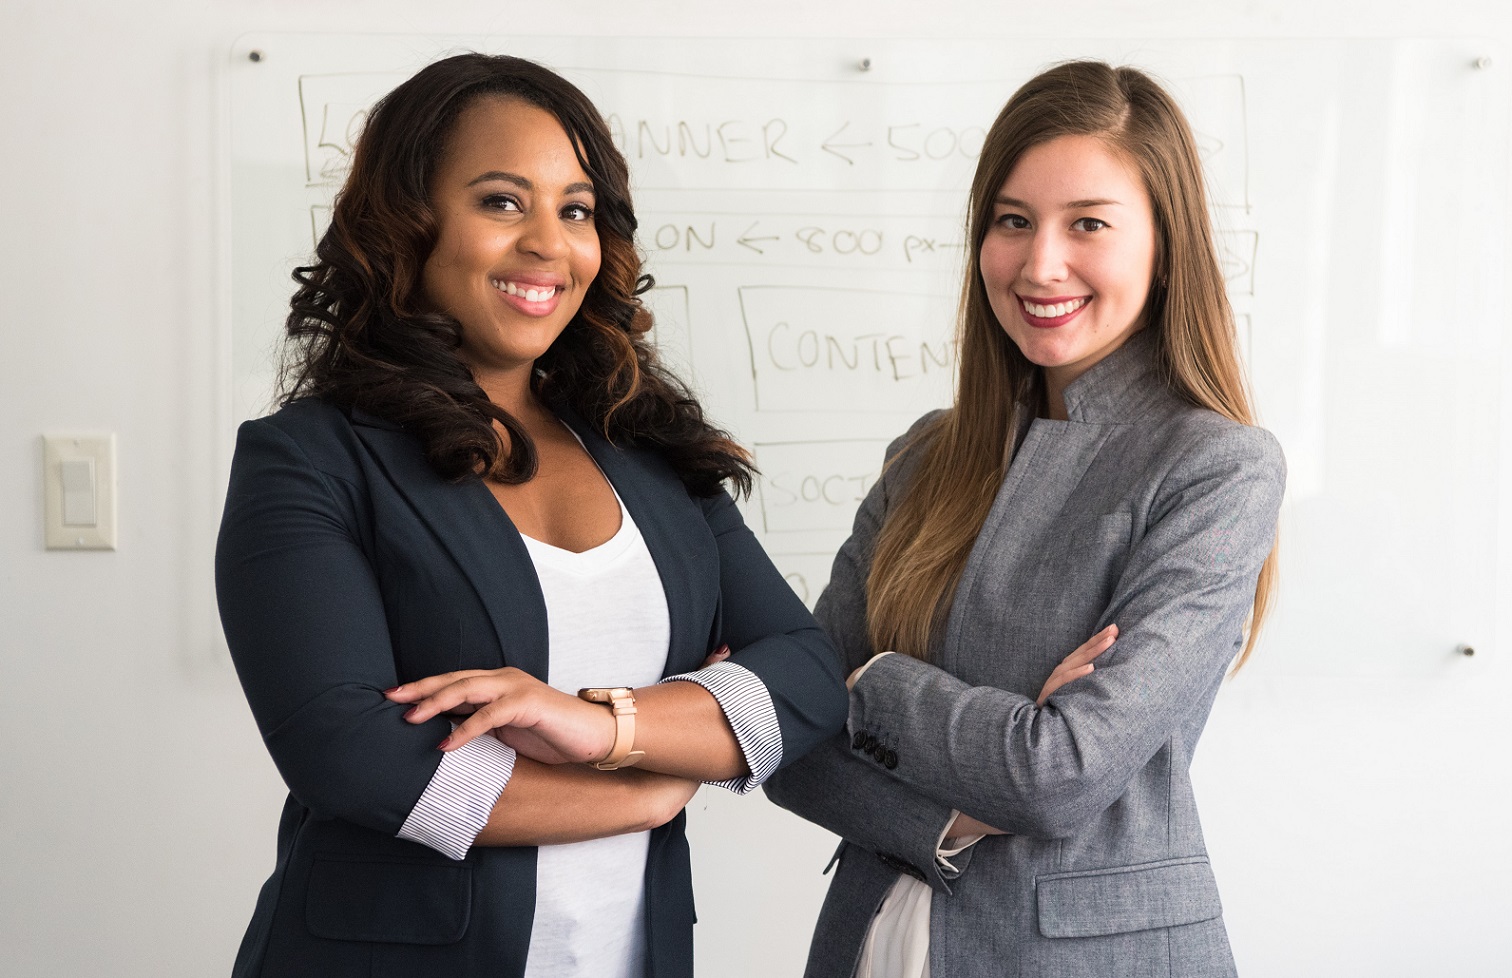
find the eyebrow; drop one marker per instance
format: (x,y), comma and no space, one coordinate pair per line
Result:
(582,186)
(1073,205)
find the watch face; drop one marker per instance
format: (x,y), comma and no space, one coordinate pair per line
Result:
(605,694)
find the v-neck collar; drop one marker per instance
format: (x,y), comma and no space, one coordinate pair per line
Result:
(478,534)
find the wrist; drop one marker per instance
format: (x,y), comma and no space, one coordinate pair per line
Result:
(621,712)
(605,727)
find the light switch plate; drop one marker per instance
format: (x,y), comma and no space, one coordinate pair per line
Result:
(79,491)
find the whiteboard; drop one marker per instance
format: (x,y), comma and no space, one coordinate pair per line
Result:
(802,207)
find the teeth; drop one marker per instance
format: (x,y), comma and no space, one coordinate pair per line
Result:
(528,294)
(1052,312)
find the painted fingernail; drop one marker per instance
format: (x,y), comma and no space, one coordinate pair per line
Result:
(722,651)
(392,689)
(409,714)
(443,745)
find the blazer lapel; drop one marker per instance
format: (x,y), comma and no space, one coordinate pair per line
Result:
(477,533)
(1050,464)
(668,520)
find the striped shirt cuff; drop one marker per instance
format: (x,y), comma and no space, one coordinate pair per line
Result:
(747,705)
(456,804)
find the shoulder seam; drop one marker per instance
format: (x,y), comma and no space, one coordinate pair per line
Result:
(315,467)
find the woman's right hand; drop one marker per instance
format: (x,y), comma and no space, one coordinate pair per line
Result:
(1078,663)
(1073,666)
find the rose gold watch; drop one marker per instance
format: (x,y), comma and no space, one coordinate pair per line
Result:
(621,700)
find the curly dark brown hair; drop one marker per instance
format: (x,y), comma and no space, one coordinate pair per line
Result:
(360,333)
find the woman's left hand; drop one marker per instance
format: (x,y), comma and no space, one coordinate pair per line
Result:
(543,723)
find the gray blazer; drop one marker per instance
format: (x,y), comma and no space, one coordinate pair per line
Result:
(1140,510)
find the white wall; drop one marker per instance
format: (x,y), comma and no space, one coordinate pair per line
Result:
(1353,822)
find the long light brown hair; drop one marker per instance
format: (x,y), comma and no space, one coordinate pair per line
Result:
(926,539)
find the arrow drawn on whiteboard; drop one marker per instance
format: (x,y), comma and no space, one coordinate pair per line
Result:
(746,241)
(831,148)
(1207,146)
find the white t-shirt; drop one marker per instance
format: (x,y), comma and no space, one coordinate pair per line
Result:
(607,625)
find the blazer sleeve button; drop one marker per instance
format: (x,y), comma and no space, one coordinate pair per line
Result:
(859,740)
(890,761)
(870,745)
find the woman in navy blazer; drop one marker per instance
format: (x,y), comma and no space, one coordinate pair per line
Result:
(467,368)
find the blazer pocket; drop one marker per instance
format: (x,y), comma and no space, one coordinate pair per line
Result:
(388,901)
(1092,903)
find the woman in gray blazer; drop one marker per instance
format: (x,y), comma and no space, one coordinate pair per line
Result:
(1006,809)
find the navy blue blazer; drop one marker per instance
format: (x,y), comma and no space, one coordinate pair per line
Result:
(346,565)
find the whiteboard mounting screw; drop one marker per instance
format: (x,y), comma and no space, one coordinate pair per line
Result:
(1466,650)
(864,64)
(254,55)
(1482,62)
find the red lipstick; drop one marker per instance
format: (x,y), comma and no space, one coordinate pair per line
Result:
(1050,322)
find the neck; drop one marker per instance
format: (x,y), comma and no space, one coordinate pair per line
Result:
(1055,390)
(510,389)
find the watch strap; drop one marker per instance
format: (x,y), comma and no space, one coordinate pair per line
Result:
(621,702)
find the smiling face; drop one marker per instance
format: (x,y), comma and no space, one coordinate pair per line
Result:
(1069,255)
(516,246)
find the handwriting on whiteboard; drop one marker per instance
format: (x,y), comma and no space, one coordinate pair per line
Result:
(816,485)
(836,350)
(725,140)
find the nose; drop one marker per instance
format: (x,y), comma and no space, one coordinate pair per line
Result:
(542,235)
(1046,262)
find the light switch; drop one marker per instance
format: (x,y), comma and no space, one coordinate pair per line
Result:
(79,492)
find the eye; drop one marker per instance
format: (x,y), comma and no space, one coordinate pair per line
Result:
(1013,222)
(578,212)
(502,202)
(1088,224)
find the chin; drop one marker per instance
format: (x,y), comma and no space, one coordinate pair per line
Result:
(1044,355)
